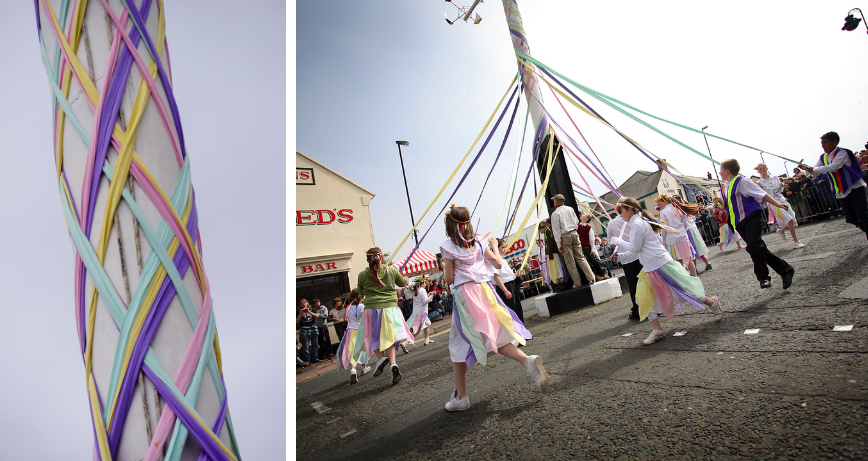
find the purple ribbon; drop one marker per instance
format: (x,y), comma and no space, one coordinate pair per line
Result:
(470,360)
(149,330)
(680,291)
(463,178)
(496,159)
(538,139)
(376,327)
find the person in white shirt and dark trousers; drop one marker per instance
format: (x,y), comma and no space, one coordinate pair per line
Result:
(629,261)
(506,284)
(846,177)
(742,198)
(564,225)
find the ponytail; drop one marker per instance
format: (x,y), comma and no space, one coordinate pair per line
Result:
(633,204)
(691,209)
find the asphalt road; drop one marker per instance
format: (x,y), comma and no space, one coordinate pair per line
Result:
(795,390)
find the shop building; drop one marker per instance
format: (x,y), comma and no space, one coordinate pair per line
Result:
(333,231)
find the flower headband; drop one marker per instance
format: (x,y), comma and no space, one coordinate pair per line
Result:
(448,215)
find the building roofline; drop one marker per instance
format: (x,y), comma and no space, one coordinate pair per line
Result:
(333,171)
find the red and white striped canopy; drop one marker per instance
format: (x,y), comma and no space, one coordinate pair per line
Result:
(422,263)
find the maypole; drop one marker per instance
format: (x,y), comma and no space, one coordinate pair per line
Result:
(143,307)
(559,181)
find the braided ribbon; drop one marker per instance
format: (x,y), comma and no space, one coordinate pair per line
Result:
(104,134)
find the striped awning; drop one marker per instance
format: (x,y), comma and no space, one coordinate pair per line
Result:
(422,263)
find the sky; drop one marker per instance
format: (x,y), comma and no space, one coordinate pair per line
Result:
(229,72)
(772,75)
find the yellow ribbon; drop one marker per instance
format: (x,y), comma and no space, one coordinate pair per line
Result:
(452,176)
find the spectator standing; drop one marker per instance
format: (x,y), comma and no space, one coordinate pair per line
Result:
(338,317)
(322,319)
(564,225)
(306,322)
(808,192)
(606,253)
(826,195)
(793,193)
(406,294)
(586,236)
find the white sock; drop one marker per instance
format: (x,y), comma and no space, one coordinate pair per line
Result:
(658,331)
(352,371)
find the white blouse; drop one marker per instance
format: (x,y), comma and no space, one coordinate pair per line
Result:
(614,230)
(673,218)
(506,274)
(468,264)
(643,241)
(354,316)
(773,187)
(421,300)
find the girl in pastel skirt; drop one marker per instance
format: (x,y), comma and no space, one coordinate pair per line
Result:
(727,233)
(663,283)
(686,212)
(481,323)
(382,326)
(676,237)
(418,320)
(700,251)
(786,218)
(348,358)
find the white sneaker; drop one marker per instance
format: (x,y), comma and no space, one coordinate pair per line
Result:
(427,341)
(716,309)
(380,365)
(537,373)
(353,378)
(366,370)
(654,337)
(783,234)
(797,245)
(454,404)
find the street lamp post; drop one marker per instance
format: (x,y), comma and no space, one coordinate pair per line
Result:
(412,219)
(719,185)
(852,22)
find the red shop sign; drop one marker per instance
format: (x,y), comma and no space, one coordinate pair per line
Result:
(317,217)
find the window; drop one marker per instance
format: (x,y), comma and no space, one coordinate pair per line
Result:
(642,204)
(323,287)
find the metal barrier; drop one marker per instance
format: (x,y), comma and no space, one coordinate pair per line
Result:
(815,203)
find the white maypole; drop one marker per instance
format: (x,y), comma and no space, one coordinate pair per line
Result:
(519,40)
(142,301)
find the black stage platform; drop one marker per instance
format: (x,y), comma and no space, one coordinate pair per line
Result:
(576,298)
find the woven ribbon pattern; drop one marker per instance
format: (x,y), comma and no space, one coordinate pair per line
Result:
(89,89)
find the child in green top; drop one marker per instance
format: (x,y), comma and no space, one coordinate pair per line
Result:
(382,325)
